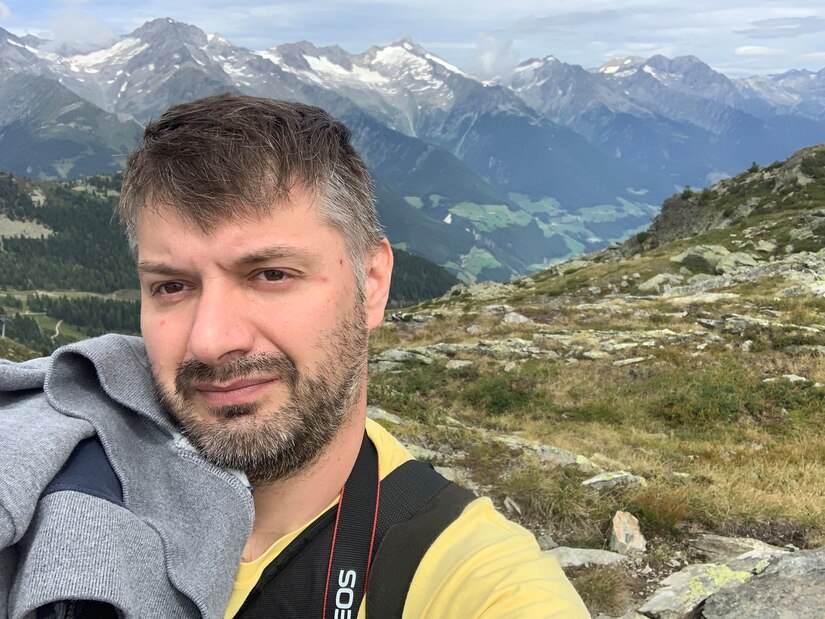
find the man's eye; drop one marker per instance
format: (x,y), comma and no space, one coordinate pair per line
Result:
(169,288)
(272,275)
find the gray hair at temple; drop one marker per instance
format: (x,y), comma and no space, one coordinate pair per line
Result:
(230,156)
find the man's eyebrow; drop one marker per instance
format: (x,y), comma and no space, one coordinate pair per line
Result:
(158,268)
(275,253)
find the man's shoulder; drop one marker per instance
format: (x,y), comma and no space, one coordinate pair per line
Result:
(32,374)
(484,564)
(391,453)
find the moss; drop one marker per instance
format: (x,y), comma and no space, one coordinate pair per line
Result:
(716,577)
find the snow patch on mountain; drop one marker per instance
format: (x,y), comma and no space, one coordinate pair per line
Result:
(120,53)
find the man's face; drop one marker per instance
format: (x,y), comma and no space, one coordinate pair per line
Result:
(256,332)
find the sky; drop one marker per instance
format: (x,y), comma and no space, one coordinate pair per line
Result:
(485,37)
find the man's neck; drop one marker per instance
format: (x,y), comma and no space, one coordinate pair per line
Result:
(285,506)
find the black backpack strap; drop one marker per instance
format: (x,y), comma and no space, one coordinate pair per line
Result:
(404,544)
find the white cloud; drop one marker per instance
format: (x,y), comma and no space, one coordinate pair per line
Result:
(5,11)
(494,56)
(815,56)
(73,28)
(757,50)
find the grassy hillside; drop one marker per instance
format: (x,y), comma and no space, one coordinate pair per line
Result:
(692,356)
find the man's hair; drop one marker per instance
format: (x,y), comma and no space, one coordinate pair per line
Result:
(232,156)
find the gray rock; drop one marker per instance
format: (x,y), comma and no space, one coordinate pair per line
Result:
(422,453)
(699,278)
(570,266)
(734,261)
(793,378)
(632,360)
(765,247)
(625,535)
(581,557)
(791,587)
(681,593)
(498,308)
(595,354)
(514,318)
(455,291)
(458,364)
(546,542)
(658,282)
(701,257)
(720,549)
(549,453)
(400,355)
(373,412)
(603,481)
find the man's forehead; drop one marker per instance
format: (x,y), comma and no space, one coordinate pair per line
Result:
(287,230)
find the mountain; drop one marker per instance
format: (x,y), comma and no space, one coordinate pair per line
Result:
(677,117)
(505,177)
(48,131)
(488,127)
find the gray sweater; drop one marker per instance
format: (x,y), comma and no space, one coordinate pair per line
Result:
(167,546)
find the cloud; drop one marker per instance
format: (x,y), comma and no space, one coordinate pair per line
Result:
(784,27)
(815,56)
(5,11)
(494,56)
(73,29)
(757,50)
(532,24)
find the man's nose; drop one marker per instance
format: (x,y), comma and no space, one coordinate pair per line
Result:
(220,329)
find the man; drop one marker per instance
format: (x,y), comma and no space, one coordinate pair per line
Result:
(242,457)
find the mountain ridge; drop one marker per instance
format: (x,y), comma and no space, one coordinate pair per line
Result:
(539,174)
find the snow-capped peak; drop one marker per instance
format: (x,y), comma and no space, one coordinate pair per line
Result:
(621,66)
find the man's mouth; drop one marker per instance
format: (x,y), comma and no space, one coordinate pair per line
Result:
(232,393)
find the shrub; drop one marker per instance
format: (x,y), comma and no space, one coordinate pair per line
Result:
(687,193)
(604,589)
(519,392)
(660,508)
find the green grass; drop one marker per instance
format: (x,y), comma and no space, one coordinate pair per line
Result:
(489,217)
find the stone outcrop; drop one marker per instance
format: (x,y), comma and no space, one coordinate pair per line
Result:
(792,585)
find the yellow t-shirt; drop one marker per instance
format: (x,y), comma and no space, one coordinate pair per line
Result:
(482,565)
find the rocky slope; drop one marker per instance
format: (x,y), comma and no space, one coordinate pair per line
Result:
(654,411)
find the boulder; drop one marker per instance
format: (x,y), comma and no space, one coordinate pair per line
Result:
(582,557)
(735,261)
(701,257)
(604,481)
(373,412)
(791,586)
(765,247)
(681,593)
(570,266)
(659,282)
(720,549)
(625,536)
(514,318)
(458,364)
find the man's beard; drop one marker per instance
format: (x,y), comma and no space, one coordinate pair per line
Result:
(274,444)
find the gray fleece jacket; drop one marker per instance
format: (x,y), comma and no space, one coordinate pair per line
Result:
(147,525)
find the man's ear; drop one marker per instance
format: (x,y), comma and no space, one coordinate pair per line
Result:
(377,289)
